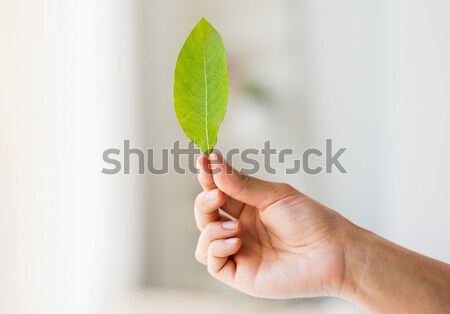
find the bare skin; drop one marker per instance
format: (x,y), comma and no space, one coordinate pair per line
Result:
(283,244)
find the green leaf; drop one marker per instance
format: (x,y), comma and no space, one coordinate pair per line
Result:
(201,86)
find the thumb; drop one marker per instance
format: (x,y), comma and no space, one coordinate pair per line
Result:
(244,188)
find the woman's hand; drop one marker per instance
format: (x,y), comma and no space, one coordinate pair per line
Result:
(281,244)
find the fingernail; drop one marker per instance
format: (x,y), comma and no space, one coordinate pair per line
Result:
(231,241)
(213,156)
(212,195)
(230,225)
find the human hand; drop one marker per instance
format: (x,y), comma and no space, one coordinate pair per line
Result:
(281,244)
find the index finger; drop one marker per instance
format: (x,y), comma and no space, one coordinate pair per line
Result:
(205,177)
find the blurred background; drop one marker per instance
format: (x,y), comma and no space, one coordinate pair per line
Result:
(79,77)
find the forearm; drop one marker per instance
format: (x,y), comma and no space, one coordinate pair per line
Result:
(383,277)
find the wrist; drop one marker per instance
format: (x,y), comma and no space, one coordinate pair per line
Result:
(381,276)
(356,258)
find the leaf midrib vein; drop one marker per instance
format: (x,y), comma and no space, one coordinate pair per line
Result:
(206,93)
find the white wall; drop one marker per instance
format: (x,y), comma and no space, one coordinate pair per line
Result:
(345,51)
(68,90)
(419,209)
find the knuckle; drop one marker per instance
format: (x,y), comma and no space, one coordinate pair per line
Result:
(199,223)
(211,229)
(285,188)
(246,179)
(203,237)
(206,234)
(214,247)
(198,256)
(211,271)
(208,229)
(198,199)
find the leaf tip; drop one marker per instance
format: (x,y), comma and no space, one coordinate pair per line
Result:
(204,21)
